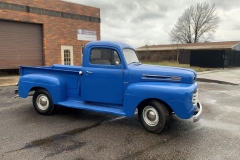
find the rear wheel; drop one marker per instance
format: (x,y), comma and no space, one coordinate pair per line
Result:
(153,116)
(42,102)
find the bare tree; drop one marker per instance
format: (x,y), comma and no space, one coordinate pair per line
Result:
(147,43)
(198,23)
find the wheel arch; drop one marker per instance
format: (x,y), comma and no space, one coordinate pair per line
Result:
(141,104)
(55,85)
(37,88)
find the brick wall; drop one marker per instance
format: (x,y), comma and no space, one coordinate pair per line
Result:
(57,31)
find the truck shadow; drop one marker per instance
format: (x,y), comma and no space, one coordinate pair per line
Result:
(174,124)
(67,115)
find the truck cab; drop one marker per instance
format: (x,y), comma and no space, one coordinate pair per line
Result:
(112,80)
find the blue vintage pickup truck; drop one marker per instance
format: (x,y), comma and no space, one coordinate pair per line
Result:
(112,80)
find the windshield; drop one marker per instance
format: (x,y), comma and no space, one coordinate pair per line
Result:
(130,56)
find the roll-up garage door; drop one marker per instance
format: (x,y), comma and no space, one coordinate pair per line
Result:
(20,44)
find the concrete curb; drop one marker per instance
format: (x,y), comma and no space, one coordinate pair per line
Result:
(218,70)
(8,81)
(206,72)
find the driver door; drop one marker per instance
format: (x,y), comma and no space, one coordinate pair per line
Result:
(102,80)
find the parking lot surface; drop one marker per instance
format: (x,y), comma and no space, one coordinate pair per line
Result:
(78,134)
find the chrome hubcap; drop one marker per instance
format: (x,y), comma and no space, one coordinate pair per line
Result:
(42,102)
(150,116)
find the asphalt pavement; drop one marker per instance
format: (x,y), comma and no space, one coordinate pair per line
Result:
(77,134)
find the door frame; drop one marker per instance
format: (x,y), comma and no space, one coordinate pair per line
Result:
(63,47)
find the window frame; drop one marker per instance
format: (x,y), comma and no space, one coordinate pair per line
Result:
(113,51)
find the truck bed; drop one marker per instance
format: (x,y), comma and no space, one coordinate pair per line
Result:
(56,67)
(69,73)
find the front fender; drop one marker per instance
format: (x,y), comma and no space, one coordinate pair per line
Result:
(54,84)
(176,95)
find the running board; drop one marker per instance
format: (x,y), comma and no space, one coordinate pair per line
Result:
(93,107)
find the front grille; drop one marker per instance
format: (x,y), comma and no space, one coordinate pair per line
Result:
(195,97)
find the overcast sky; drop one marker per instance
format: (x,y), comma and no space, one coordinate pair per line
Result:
(139,21)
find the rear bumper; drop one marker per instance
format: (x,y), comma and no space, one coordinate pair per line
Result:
(198,113)
(16,91)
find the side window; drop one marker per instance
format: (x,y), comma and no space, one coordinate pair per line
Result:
(116,58)
(104,56)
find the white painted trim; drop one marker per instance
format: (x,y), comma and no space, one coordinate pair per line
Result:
(63,47)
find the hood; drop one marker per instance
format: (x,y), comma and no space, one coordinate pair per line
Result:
(153,73)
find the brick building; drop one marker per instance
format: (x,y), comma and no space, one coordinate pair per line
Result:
(45,32)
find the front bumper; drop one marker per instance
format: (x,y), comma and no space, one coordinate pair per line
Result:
(198,113)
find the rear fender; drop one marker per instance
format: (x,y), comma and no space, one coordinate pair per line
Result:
(54,84)
(166,92)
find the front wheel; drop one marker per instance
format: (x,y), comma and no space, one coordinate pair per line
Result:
(42,102)
(153,116)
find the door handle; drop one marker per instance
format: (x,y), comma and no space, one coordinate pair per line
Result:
(80,72)
(88,72)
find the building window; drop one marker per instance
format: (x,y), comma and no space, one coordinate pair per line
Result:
(67,57)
